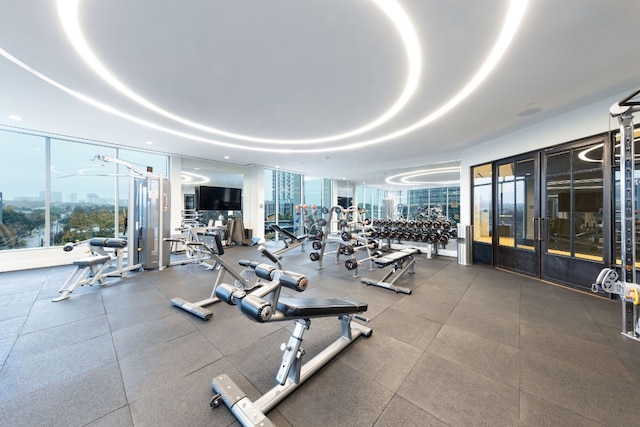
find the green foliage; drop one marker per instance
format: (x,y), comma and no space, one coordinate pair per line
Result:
(16,226)
(85,222)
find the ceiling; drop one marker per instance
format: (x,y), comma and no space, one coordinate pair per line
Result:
(329,88)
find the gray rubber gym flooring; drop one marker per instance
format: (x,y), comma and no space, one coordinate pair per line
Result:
(471,346)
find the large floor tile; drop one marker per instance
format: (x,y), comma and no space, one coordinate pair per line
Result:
(21,376)
(400,412)
(74,400)
(536,412)
(459,396)
(579,389)
(160,364)
(492,359)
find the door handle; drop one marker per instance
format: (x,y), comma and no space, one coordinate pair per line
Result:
(540,229)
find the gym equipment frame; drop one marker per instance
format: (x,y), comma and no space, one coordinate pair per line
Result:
(243,280)
(625,284)
(265,305)
(94,266)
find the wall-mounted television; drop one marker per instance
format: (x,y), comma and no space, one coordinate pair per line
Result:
(218,198)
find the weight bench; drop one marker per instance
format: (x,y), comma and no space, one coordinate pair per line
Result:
(290,241)
(398,268)
(91,269)
(265,305)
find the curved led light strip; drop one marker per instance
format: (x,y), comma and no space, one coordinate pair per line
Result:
(584,154)
(190,178)
(406,176)
(68,13)
(514,17)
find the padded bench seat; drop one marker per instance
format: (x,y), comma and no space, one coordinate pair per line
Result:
(92,260)
(318,307)
(108,242)
(287,233)
(393,257)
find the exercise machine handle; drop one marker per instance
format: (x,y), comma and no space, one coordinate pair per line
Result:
(274,259)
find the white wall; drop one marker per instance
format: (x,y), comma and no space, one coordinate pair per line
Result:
(583,122)
(253,201)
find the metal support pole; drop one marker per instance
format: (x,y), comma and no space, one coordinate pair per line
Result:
(624,112)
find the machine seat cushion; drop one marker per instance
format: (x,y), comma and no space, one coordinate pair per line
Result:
(108,242)
(92,260)
(318,307)
(393,257)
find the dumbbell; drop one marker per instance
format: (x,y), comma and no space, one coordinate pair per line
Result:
(347,250)
(352,264)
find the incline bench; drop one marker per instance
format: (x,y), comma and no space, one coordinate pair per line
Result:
(290,241)
(397,262)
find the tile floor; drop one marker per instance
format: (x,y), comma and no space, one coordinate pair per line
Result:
(470,346)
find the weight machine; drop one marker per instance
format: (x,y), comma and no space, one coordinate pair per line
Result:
(147,225)
(245,280)
(625,284)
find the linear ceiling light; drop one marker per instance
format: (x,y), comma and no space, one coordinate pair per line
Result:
(68,13)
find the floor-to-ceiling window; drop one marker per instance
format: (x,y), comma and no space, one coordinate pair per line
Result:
(23,183)
(82,192)
(58,191)
(434,202)
(283,202)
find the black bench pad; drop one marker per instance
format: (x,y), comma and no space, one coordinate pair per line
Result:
(287,233)
(108,242)
(92,260)
(319,307)
(393,257)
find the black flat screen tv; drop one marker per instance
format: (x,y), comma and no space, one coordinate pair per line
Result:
(218,198)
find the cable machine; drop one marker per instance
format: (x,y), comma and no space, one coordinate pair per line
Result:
(148,220)
(625,285)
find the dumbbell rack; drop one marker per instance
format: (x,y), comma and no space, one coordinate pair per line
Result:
(350,238)
(428,233)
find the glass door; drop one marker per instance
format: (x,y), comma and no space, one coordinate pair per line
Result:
(573,248)
(517,216)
